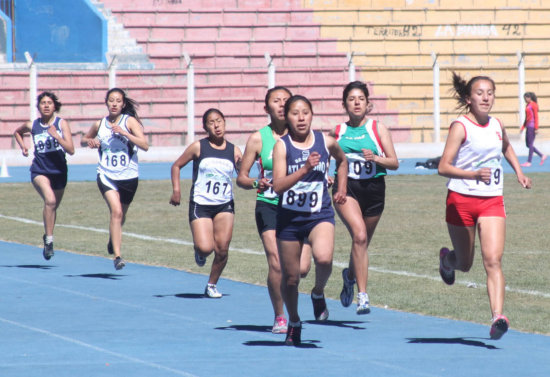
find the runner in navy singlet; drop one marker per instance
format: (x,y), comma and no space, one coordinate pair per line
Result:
(52,138)
(211,207)
(300,165)
(259,147)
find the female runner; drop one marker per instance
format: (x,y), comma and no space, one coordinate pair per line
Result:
(472,162)
(211,208)
(52,138)
(369,150)
(300,164)
(117,138)
(260,147)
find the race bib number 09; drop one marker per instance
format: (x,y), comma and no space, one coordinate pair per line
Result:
(359,168)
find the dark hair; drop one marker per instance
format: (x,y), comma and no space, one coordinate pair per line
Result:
(53,97)
(130,105)
(462,89)
(355,85)
(274,89)
(296,98)
(531,95)
(207,113)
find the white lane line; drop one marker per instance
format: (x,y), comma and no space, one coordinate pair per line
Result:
(255,252)
(96,348)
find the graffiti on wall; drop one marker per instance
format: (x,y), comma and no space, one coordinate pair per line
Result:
(455,31)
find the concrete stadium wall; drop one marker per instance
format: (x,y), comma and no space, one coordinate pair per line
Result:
(60,31)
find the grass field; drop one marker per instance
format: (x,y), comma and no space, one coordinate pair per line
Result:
(403,255)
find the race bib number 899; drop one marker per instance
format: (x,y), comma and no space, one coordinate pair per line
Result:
(304,197)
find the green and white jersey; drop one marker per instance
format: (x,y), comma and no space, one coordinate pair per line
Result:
(266,165)
(353,140)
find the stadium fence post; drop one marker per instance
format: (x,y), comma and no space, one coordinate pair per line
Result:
(521,87)
(112,72)
(351,67)
(33,74)
(190,99)
(437,121)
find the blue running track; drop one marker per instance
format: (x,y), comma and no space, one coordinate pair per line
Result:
(75,316)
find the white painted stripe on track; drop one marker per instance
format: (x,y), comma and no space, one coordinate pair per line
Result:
(96,348)
(255,252)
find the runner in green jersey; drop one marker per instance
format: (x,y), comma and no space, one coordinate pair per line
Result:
(259,147)
(370,152)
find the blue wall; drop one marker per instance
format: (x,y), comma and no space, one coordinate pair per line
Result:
(60,31)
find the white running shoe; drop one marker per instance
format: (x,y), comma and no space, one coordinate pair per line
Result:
(211,291)
(363,303)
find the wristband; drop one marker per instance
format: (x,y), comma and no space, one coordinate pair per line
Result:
(255,184)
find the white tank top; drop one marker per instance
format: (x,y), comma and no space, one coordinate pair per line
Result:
(482,148)
(118,158)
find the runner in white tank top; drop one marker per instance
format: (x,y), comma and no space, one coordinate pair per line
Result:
(482,148)
(472,162)
(117,138)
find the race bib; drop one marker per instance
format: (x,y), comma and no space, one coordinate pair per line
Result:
(304,197)
(45,143)
(115,160)
(496,175)
(269,193)
(214,187)
(359,168)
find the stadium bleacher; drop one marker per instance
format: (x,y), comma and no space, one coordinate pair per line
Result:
(309,40)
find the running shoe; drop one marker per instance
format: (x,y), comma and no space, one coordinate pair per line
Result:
(211,291)
(119,263)
(447,274)
(320,310)
(499,327)
(363,303)
(280,325)
(199,259)
(346,296)
(110,249)
(48,249)
(294,336)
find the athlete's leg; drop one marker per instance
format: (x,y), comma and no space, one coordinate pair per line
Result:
(321,239)
(350,214)
(463,240)
(370,223)
(289,255)
(492,233)
(305,260)
(52,199)
(202,230)
(112,198)
(274,271)
(223,231)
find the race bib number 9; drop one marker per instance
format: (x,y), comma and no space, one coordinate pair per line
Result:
(359,168)
(304,197)
(45,143)
(496,175)
(496,178)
